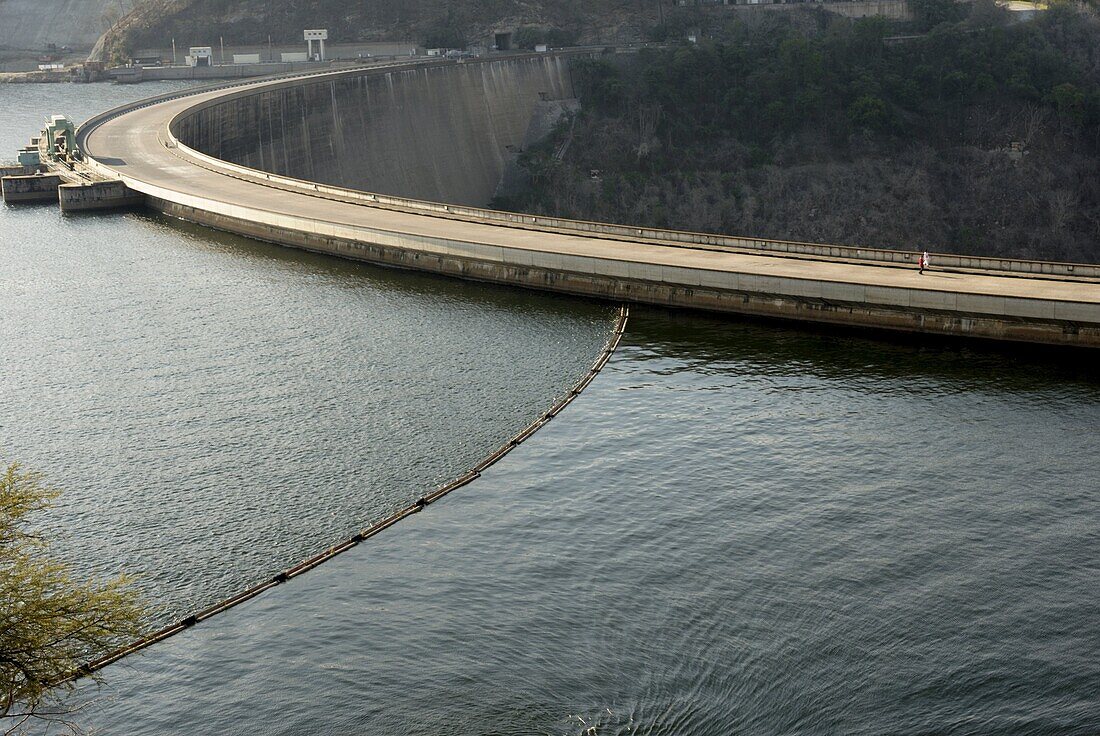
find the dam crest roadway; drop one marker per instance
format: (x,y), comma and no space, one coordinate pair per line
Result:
(392,164)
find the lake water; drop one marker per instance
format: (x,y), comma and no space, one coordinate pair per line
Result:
(217,409)
(738,528)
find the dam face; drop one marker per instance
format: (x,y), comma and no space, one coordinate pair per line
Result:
(441,133)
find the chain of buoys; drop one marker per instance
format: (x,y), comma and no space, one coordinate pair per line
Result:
(417,506)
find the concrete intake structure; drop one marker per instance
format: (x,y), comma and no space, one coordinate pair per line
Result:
(343,163)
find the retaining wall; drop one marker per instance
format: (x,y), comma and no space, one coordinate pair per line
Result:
(893,9)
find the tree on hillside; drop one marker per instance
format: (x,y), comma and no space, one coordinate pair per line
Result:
(930,13)
(49,623)
(979,136)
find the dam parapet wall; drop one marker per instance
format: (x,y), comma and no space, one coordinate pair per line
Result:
(430,132)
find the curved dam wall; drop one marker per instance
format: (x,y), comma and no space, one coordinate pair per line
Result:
(443,132)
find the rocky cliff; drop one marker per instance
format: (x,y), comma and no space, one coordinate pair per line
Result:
(32,24)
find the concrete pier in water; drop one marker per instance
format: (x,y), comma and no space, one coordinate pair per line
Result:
(30,188)
(393,165)
(98,195)
(52,173)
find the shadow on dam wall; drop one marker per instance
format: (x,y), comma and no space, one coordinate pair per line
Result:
(435,132)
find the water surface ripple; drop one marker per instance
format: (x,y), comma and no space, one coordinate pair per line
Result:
(737,528)
(217,409)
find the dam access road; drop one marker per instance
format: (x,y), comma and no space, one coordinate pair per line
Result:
(363,163)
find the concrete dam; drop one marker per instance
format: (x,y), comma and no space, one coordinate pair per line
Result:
(430,132)
(394,164)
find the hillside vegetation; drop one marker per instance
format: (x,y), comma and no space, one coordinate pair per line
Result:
(429,22)
(978,137)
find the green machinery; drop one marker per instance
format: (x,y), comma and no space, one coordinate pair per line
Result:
(60,137)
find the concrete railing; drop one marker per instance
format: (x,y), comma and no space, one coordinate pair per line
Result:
(899,258)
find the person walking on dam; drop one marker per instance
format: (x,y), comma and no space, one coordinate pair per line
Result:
(922,262)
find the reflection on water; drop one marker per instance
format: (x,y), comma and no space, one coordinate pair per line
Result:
(780,347)
(217,408)
(736,529)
